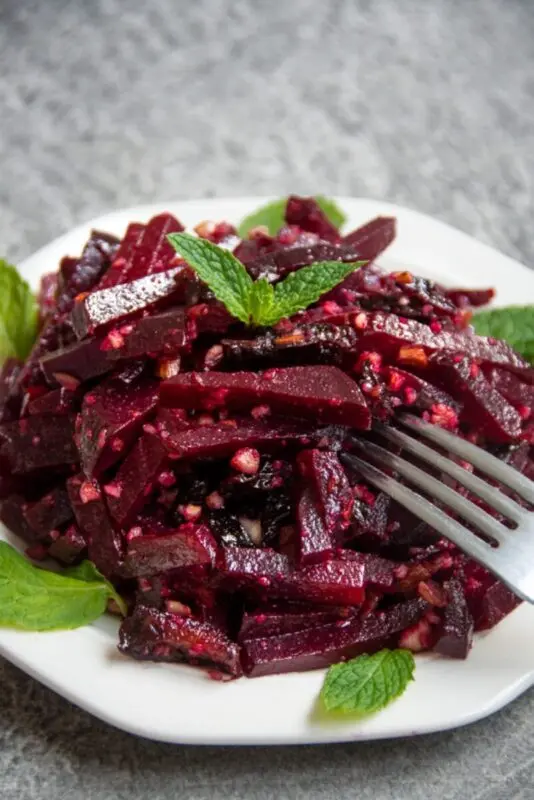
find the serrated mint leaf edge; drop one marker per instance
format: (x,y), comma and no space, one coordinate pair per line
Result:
(18,314)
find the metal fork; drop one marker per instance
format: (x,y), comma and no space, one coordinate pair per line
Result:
(512,560)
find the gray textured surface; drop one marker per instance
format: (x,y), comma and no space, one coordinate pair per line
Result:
(108,103)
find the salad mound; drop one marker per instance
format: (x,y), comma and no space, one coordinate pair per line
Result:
(198,460)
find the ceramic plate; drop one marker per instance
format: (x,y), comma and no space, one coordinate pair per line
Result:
(178,703)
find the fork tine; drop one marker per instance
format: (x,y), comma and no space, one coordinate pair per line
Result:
(487,463)
(468,510)
(448,527)
(500,502)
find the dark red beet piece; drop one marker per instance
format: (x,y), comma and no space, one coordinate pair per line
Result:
(115,305)
(58,401)
(162,334)
(46,299)
(224,438)
(69,546)
(85,273)
(50,512)
(372,238)
(150,635)
(105,544)
(37,443)
(122,257)
(323,393)
(462,298)
(308,215)
(483,406)
(331,488)
(186,546)
(456,635)
(247,568)
(420,394)
(112,416)
(328,644)
(517,393)
(488,600)
(315,543)
(12,510)
(10,395)
(276,265)
(135,479)
(264,621)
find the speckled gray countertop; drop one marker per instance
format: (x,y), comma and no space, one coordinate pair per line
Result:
(106,104)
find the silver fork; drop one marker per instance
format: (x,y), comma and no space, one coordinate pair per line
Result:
(512,560)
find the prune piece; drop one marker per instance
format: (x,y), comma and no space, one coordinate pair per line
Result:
(331,488)
(276,265)
(315,542)
(276,513)
(37,443)
(122,257)
(135,479)
(58,401)
(162,334)
(69,546)
(111,418)
(370,520)
(372,238)
(483,406)
(272,474)
(49,513)
(323,393)
(308,215)
(456,634)
(115,305)
(224,438)
(228,529)
(105,544)
(149,554)
(151,635)
(321,646)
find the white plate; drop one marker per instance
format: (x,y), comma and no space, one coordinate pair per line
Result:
(179,704)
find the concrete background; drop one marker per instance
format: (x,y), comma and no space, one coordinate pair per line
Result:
(106,104)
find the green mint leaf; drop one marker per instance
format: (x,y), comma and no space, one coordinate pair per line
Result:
(367,683)
(305,286)
(219,269)
(18,314)
(261,301)
(86,571)
(271,215)
(34,599)
(514,324)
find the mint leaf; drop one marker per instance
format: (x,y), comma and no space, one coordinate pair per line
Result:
(34,599)
(271,215)
(18,314)
(514,324)
(219,269)
(367,683)
(305,286)
(261,301)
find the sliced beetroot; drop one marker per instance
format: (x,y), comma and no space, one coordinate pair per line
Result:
(412,390)
(69,546)
(315,542)
(370,519)
(83,275)
(162,334)
(135,479)
(122,257)
(113,306)
(10,395)
(37,443)
(463,298)
(49,513)
(488,600)
(58,401)
(247,568)
(324,393)
(456,634)
(150,635)
(112,416)
(319,647)
(331,488)
(46,299)
(483,406)
(105,544)
(513,389)
(188,545)
(276,265)
(308,215)
(12,514)
(372,238)
(265,621)
(226,437)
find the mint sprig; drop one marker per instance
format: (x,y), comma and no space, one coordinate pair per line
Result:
(514,324)
(34,599)
(257,302)
(271,215)
(18,314)
(367,683)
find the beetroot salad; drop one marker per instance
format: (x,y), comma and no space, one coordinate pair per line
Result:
(197,458)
